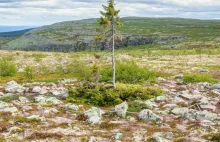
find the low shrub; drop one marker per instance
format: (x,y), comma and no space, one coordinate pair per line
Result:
(79,70)
(7,68)
(128,72)
(29,73)
(136,107)
(102,96)
(199,78)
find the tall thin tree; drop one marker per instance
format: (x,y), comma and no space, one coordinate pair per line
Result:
(110,21)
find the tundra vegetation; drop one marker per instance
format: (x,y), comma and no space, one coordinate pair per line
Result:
(167,82)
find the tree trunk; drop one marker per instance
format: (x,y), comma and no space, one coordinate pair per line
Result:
(113,55)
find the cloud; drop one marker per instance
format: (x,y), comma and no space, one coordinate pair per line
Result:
(42,12)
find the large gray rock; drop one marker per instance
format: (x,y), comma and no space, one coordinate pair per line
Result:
(121,109)
(14,87)
(148,115)
(94,115)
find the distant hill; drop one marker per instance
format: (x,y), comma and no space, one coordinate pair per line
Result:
(14,28)
(79,35)
(15,33)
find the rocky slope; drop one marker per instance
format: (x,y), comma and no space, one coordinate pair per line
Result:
(38,112)
(79,35)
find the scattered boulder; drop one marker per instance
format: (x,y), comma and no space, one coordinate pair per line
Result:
(46,99)
(3,104)
(180,111)
(12,110)
(93,115)
(149,104)
(121,109)
(94,120)
(14,87)
(23,100)
(71,107)
(148,115)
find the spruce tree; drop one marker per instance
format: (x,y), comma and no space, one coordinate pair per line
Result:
(109,22)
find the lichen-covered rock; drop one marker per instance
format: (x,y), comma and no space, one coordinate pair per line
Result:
(148,104)
(160,98)
(46,99)
(71,107)
(36,89)
(148,115)
(3,104)
(23,100)
(94,120)
(94,111)
(180,111)
(14,87)
(12,110)
(202,115)
(121,109)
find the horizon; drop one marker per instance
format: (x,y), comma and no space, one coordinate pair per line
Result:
(47,12)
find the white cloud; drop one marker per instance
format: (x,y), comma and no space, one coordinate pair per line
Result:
(41,12)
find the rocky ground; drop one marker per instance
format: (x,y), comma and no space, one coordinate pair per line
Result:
(39,112)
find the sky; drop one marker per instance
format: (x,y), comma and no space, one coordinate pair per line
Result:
(45,12)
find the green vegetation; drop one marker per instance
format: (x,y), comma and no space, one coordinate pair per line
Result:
(199,78)
(136,107)
(128,72)
(105,96)
(29,73)
(7,68)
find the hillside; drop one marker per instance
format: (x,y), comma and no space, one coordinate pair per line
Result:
(79,35)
